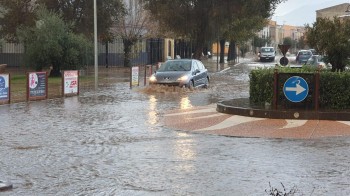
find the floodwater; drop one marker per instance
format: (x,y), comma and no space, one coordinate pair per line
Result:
(112,142)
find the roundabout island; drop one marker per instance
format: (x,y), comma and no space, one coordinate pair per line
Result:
(243,107)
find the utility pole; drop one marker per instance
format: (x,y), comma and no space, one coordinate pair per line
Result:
(95,40)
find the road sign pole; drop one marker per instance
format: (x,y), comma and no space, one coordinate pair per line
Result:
(275,89)
(317,89)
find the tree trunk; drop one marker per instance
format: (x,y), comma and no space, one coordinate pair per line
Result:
(106,54)
(127,50)
(222,50)
(55,71)
(232,55)
(199,45)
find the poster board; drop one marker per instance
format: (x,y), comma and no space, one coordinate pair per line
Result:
(5,89)
(134,76)
(70,83)
(37,86)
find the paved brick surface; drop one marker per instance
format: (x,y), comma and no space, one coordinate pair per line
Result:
(208,120)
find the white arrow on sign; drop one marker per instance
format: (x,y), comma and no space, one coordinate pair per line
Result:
(298,89)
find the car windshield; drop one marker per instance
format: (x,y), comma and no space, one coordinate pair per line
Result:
(313,51)
(305,53)
(175,66)
(267,50)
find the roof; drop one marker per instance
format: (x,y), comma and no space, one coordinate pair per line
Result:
(333,7)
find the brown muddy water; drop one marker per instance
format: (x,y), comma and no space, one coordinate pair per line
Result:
(112,142)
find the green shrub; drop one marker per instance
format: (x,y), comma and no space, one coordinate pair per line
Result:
(334,89)
(261,86)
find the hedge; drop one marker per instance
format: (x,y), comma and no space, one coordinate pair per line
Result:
(334,89)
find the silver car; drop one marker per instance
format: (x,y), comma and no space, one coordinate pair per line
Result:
(267,54)
(303,56)
(317,61)
(181,72)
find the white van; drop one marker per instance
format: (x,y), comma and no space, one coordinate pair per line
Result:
(267,54)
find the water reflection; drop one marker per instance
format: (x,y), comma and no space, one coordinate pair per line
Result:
(185,152)
(152,112)
(185,103)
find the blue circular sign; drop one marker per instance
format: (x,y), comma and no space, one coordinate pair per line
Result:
(296,89)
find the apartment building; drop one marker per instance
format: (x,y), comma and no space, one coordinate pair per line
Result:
(341,11)
(277,32)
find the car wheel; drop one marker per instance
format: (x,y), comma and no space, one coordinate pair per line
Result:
(206,83)
(191,85)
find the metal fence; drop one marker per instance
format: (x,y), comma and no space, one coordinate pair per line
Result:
(144,52)
(11,54)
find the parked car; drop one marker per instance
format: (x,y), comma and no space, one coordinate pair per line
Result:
(317,61)
(181,72)
(303,56)
(313,51)
(267,54)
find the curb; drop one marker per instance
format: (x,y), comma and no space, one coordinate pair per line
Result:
(240,107)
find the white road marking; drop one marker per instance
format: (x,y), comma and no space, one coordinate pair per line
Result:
(193,112)
(232,121)
(208,116)
(345,122)
(291,123)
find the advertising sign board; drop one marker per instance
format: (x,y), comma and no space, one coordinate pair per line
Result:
(4,88)
(36,85)
(71,82)
(135,76)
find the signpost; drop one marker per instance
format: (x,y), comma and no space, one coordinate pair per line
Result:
(296,89)
(284,49)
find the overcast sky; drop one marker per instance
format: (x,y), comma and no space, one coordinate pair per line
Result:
(301,12)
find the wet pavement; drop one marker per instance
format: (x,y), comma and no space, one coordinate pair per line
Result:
(117,141)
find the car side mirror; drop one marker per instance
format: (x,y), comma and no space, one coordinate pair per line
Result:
(196,71)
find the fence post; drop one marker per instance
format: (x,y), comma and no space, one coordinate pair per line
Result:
(317,89)
(275,88)
(145,75)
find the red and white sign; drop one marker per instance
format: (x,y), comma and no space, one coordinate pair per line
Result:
(70,82)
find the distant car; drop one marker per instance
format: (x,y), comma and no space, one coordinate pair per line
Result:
(181,72)
(303,56)
(313,51)
(317,61)
(267,54)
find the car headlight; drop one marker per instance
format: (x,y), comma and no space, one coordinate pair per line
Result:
(153,78)
(183,78)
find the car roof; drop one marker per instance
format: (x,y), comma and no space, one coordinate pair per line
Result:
(181,59)
(305,51)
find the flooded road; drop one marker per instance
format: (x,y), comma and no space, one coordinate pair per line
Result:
(113,142)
